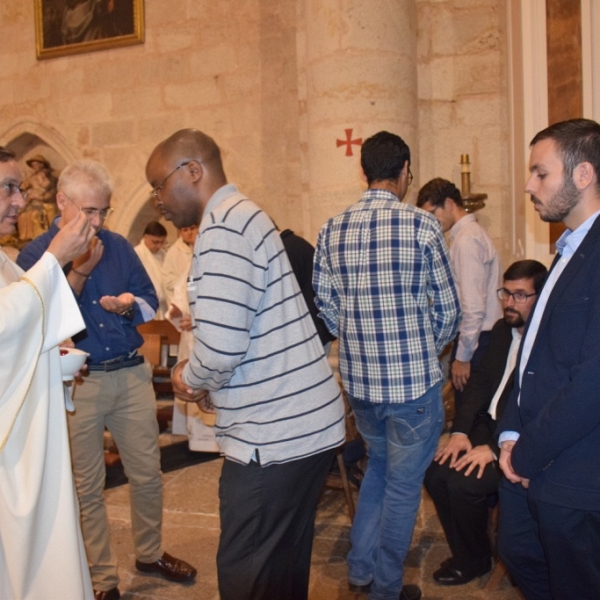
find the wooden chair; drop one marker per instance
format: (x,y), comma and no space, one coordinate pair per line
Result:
(449,406)
(341,481)
(158,337)
(151,348)
(499,571)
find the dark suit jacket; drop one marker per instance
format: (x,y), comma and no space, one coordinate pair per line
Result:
(471,416)
(559,413)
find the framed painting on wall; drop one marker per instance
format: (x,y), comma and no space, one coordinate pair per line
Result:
(65,27)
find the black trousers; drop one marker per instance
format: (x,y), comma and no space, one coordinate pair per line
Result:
(462,504)
(267,527)
(551,551)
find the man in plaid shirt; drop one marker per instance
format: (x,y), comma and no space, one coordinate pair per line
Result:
(384,287)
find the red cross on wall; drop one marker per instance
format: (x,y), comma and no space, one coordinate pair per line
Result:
(348,142)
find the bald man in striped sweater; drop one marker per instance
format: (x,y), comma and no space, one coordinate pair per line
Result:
(258,359)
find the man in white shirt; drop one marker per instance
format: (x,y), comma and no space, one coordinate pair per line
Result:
(476,270)
(152,254)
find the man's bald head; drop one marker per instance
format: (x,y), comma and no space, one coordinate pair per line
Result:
(185,170)
(187,144)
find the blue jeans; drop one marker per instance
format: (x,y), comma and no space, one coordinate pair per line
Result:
(401,441)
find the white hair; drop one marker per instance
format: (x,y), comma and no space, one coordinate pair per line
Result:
(86,172)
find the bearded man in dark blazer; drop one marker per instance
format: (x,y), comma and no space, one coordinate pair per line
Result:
(464,472)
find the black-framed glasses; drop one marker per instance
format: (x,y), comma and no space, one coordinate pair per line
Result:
(12,189)
(156,190)
(518,297)
(102,213)
(410,176)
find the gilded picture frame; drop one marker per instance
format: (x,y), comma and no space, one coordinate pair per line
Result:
(64,27)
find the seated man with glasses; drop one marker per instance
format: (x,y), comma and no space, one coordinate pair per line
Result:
(464,471)
(115,295)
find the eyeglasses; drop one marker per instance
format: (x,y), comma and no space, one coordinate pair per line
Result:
(156,190)
(12,189)
(102,213)
(518,297)
(410,176)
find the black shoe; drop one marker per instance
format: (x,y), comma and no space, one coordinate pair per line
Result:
(448,575)
(410,592)
(169,567)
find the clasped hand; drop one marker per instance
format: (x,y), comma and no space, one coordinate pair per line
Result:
(185,392)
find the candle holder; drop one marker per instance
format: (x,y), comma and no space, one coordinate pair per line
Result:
(471,202)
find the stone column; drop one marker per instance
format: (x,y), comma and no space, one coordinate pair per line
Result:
(357,76)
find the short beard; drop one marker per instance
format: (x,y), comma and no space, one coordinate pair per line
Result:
(562,203)
(514,320)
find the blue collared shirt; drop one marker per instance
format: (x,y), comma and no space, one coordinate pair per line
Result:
(107,334)
(384,286)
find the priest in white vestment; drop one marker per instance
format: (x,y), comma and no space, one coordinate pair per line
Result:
(42,555)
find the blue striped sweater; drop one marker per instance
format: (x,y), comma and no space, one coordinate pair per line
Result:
(256,348)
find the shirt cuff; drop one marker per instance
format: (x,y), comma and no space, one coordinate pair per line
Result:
(508,436)
(148,313)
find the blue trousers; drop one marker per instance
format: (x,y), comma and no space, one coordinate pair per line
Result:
(551,551)
(401,441)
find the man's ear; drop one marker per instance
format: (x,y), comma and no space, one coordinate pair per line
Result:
(194,168)
(405,168)
(61,201)
(584,175)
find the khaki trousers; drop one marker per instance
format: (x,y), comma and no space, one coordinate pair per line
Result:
(125,403)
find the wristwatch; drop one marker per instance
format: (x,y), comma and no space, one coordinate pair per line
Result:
(128,313)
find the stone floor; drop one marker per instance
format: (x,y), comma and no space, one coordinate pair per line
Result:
(191,531)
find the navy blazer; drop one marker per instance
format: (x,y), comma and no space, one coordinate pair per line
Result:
(559,413)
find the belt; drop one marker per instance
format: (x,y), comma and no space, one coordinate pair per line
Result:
(121,362)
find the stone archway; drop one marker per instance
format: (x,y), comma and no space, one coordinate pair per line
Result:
(131,217)
(30,140)
(135,209)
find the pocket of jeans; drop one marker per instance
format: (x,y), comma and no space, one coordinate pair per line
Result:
(412,427)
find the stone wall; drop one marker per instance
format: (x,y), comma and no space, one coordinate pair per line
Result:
(232,69)
(463,102)
(227,68)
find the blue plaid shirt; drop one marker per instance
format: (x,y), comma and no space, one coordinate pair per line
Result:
(384,287)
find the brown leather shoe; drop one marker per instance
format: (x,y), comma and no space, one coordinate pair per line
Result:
(113,594)
(169,567)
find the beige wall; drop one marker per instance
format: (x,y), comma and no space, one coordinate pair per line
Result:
(232,69)
(463,103)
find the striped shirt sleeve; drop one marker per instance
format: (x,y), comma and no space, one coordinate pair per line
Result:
(228,288)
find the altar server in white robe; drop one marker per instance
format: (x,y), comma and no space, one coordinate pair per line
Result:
(41,548)
(152,254)
(188,419)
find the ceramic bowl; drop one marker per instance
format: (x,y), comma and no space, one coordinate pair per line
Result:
(71,361)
